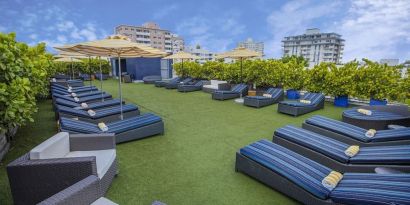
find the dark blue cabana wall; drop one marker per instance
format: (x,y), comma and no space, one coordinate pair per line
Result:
(138,67)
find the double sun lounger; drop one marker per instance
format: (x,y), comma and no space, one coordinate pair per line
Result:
(271,96)
(308,103)
(87,106)
(191,86)
(174,85)
(163,83)
(237,91)
(304,179)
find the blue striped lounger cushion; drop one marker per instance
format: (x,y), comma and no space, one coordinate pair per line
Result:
(275,92)
(372,189)
(296,168)
(98,113)
(357,132)
(68,124)
(376,115)
(314,98)
(83,99)
(235,90)
(96,105)
(335,149)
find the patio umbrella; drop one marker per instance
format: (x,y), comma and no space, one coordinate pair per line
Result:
(240,53)
(68,60)
(182,55)
(116,45)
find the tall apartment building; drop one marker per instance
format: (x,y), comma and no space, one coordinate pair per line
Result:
(252,45)
(315,47)
(204,55)
(177,43)
(152,35)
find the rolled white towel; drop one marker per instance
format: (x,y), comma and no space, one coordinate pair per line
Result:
(305,101)
(53,80)
(370,133)
(102,127)
(74,94)
(364,111)
(84,105)
(69,87)
(267,95)
(91,112)
(331,180)
(69,90)
(76,99)
(352,151)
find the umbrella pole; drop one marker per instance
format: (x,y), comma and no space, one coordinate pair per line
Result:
(102,95)
(119,77)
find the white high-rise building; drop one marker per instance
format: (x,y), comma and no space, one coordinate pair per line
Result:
(152,35)
(252,45)
(315,47)
(177,43)
(204,55)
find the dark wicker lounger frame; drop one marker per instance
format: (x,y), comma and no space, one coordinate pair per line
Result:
(332,163)
(32,181)
(270,178)
(253,102)
(135,134)
(402,110)
(192,88)
(106,119)
(350,140)
(228,96)
(296,111)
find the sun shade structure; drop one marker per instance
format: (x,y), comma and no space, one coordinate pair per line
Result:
(240,53)
(68,60)
(114,46)
(182,56)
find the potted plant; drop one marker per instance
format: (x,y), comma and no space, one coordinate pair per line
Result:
(340,82)
(293,77)
(377,82)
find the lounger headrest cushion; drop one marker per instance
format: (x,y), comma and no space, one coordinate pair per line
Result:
(331,180)
(352,151)
(370,133)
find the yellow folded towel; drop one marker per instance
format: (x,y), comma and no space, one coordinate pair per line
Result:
(364,111)
(76,99)
(331,180)
(305,101)
(84,105)
(91,112)
(103,127)
(352,151)
(370,133)
(267,95)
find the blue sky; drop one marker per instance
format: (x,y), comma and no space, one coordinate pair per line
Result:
(373,29)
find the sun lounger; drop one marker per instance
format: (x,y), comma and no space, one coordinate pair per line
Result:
(95,105)
(331,152)
(271,96)
(301,178)
(308,103)
(191,86)
(174,85)
(162,83)
(138,127)
(79,95)
(236,92)
(87,99)
(109,114)
(352,134)
(381,116)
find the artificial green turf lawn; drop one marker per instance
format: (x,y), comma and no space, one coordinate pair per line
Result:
(193,162)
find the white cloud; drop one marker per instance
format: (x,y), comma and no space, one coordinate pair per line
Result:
(376,29)
(294,18)
(65,25)
(33,36)
(216,34)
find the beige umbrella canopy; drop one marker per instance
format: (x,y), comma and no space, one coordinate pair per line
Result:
(68,60)
(240,53)
(182,55)
(116,45)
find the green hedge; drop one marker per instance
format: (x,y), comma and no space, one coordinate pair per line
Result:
(24,74)
(370,80)
(86,66)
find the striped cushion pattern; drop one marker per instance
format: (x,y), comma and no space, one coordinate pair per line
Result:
(95,105)
(399,155)
(67,103)
(275,92)
(235,90)
(372,189)
(98,113)
(339,127)
(296,168)
(93,97)
(357,132)
(376,115)
(327,146)
(78,90)
(315,98)
(295,103)
(117,127)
